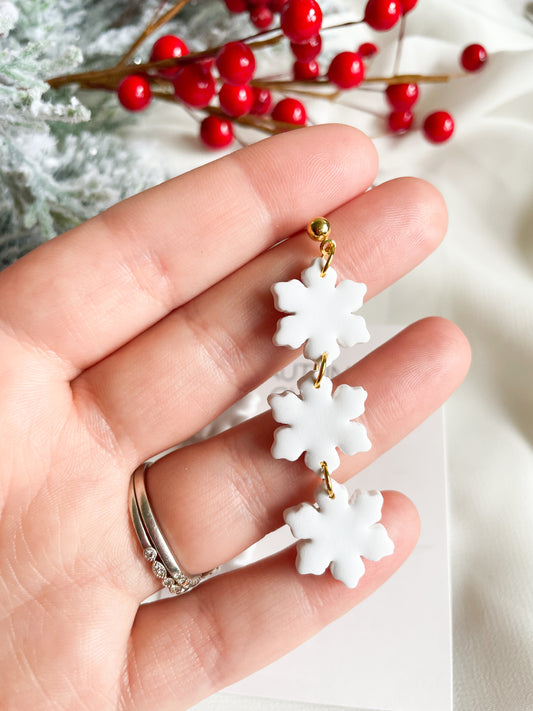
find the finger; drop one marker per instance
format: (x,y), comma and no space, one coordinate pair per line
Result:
(219,346)
(215,498)
(102,283)
(239,622)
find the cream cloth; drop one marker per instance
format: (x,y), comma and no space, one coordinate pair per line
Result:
(481,278)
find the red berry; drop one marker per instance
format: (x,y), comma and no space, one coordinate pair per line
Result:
(402,96)
(368,49)
(261,17)
(305,51)
(290,111)
(194,85)
(305,70)
(346,70)
(208,63)
(168,47)
(134,92)
(236,100)
(438,126)
(236,63)
(407,5)
(301,20)
(236,5)
(216,132)
(382,14)
(276,5)
(400,121)
(474,57)
(262,101)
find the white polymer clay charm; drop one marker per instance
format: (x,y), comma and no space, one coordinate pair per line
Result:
(322,315)
(317,422)
(338,531)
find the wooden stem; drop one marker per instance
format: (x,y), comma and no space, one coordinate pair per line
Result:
(152,26)
(122,68)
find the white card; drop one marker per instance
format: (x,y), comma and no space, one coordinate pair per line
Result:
(393,651)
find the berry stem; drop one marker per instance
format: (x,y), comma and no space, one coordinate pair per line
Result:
(414,78)
(330,96)
(316,94)
(154,24)
(251,39)
(257,36)
(262,123)
(401,35)
(293,87)
(283,84)
(258,44)
(118,72)
(350,23)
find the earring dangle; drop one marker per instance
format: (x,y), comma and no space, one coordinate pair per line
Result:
(337,530)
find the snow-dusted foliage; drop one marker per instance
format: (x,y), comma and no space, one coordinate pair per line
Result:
(61,158)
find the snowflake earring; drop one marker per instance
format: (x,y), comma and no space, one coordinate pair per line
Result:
(337,530)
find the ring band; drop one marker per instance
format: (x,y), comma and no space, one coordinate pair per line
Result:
(165,565)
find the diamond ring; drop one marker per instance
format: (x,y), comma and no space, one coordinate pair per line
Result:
(165,564)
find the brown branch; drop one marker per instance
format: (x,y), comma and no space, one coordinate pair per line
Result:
(283,84)
(122,69)
(152,26)
(113,75)
(166,96)
(414,78)
(118,72)
(83,78)
(259,44)
(294,86)
(251,38)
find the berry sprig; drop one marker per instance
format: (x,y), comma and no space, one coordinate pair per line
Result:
(220,81)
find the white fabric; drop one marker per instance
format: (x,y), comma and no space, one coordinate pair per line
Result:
(481,279)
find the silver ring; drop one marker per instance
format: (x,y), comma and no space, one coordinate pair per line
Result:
(165,565)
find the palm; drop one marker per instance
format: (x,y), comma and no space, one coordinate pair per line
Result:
(68,592)
(117,342)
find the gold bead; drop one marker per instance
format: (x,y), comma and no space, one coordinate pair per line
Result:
(318,229)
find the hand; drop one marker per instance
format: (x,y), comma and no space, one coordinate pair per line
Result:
(131,332)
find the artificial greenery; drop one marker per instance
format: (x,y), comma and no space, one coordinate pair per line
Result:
(62,156)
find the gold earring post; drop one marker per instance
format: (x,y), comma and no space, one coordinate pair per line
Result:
(319,229)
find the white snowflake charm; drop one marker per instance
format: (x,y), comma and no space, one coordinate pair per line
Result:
(338,531)
(318,422)
(322,315)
